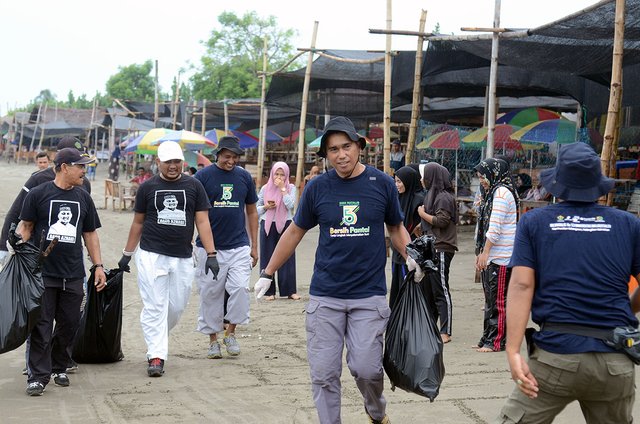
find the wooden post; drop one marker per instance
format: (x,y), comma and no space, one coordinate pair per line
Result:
(204,117)
(416,105)
(226,116)
(262,144)
(15,159)
(610,144)
(33,136)
(303,108)
(93,115)
(44,115)
(192,127)
(493,79)
(176,99)
(386,119)
(155,99)
(578,119)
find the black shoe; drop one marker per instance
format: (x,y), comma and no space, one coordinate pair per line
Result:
(156,367)
(72,367)
(61,379)
(35,389)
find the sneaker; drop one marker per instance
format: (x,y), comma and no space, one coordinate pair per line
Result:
(385,420)
(60,379)
(233,348)
(72,367)
(35,389)
(156,367)
(214,351)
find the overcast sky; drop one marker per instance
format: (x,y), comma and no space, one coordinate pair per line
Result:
(78,44)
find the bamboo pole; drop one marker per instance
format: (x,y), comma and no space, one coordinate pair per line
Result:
(33,136)
(93,115)
(15,159)
(175,102)
(262,144)
(155,98)
(609,146)
(416,103)
(493,79)
(303,108)
(44,115)
(192,126)
(225,110)
(204,117)
(386,114)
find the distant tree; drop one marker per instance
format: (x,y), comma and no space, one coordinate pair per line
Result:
(45,96)
(229,69)
(133,82)
(436,29)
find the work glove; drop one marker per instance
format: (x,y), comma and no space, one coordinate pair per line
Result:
(413,265)
(212,265)
(262,285)
(123,263)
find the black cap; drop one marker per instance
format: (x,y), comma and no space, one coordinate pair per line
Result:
(340,124)
(72,156)
(69,141)
(230,143)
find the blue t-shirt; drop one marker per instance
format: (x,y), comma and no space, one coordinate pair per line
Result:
(351,254)
(229,192)
(583,255)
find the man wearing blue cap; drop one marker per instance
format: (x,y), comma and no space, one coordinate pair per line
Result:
(351,203)
(571,265)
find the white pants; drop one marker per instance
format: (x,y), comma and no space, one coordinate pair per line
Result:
(165,286)
(234,275)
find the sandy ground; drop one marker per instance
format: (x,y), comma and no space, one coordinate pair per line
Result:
(269,381)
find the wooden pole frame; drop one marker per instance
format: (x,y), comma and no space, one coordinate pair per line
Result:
(303,108)
(416,104)
(262,143)
(156,98)
(493,80)
(386,119)
(44,115)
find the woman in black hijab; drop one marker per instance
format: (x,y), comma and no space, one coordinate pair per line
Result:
(411,196)
(439,217)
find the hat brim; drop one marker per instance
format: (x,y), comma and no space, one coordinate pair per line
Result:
(572,194)
(237,151)
(355,137)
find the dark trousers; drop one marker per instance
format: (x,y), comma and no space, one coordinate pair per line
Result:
(398,272)
(48,348)
(495,281)
(436,290)
(287,272)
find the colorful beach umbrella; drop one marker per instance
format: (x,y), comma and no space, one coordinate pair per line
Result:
(526,116)
(246,141)
(142,143)
(378,132)
(501,139)
(272,136)
(194,159)
(560,131)
(443,140)
(310,134)
(188,140)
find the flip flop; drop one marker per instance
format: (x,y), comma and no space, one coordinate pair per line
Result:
(294,297)
(270,298)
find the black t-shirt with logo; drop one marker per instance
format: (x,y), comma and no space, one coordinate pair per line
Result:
(170,208)
(65,215)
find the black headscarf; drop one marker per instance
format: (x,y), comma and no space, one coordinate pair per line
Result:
(498,172)
(526,184)
(411,198)
(438,181)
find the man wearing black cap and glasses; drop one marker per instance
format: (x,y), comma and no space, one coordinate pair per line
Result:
(35,180)
(231,193)
(348,305)
(571,265)
(63,271)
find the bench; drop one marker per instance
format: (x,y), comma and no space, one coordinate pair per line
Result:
(117,191)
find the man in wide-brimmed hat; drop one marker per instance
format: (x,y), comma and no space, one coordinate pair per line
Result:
(571,265)
(231,193)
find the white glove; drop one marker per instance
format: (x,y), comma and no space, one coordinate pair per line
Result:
(413,265)
(9,251)
(261,287)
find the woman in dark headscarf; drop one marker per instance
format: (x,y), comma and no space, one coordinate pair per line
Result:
(523,184)
(495,234)
(411,196)
(439,217)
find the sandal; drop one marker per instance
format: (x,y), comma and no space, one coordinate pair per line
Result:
(272,297)
(294,297)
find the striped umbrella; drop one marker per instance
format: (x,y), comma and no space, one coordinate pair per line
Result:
(524,117)
(443,140)
(559,131)
(502,137)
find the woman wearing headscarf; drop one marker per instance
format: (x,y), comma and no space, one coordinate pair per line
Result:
(411,196)
(495,234)
(439,217)
(276,201)
(523,184)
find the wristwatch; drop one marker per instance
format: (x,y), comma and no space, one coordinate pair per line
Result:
(265,275)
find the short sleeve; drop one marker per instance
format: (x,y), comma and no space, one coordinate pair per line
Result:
(305,217)
(91,221)
(523,249)
(252,197)
(202,200)
(635,266)
(29,209)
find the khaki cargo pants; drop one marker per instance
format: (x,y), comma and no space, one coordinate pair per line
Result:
(603,384)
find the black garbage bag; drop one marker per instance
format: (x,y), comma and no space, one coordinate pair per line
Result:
(423,251)
(21,290)
(413,357)
(100,331)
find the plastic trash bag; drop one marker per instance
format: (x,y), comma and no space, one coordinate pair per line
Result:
(423,251)
(100,331)
(413,357)
(21,290)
